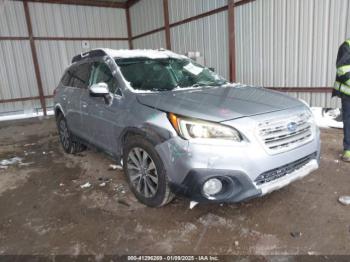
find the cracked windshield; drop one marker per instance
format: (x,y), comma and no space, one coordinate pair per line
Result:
(167,74)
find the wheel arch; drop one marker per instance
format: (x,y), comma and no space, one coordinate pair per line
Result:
(153,134)
(59,110)
(163,193)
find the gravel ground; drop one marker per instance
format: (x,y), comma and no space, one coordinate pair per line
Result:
(44,210)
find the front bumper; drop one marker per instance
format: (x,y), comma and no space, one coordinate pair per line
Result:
(242,166)
(289,178)
(237,186)
(190,165)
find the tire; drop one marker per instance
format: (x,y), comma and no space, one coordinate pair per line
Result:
(148,182)
(69,143)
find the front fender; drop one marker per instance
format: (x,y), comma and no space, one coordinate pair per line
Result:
(152,133)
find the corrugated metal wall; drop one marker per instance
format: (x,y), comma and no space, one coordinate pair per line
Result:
(285,43)
(182,9)
(17,74)
(54,56)
(12,19)
(53,20)
(153,41)
(209,36)
(280,43)
(57,20)
(146,16)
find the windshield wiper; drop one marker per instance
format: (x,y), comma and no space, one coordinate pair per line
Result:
(203,84)
(198,85)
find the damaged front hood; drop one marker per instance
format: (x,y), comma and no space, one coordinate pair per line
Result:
(220,103)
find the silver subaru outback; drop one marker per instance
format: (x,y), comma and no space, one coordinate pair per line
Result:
(179,128)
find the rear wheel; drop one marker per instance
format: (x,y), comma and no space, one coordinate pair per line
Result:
(68,141)
(145,172)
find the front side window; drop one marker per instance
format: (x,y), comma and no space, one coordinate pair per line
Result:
(80,75)
(66,78)
(102,74)
(166,74)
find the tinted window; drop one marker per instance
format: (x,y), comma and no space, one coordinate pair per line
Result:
(102,74)
(65,79)
(80,75)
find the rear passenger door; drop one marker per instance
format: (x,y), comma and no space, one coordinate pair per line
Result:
(76,110)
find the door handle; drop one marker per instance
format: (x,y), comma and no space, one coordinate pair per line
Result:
(84,104)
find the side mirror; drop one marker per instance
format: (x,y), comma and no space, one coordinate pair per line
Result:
(100,89)
(212,69)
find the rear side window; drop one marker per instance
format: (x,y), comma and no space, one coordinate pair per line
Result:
(80,75)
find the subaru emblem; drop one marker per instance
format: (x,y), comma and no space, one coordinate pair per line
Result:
(292,127)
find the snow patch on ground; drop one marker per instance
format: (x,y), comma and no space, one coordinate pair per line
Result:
(86,185)
(25,115)
(11,161)
(115,167)
(5,163)
(327,119)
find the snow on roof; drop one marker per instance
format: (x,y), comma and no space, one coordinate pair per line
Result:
(148,53)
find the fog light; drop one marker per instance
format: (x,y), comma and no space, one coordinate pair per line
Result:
(212,186)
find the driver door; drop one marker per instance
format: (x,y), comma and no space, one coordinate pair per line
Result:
(103,112)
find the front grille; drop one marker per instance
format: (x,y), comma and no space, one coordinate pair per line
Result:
(280,135)
(283,170)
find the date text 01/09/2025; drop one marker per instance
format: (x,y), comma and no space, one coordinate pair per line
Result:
(173,258)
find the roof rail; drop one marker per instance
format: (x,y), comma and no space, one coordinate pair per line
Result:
(89,54)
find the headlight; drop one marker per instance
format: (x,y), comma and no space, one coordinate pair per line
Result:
(197,129)
(309,113)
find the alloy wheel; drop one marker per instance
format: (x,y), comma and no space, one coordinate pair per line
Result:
(64,134)
(142,172)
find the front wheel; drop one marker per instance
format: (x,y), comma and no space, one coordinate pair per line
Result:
(68,141)
(145,172)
